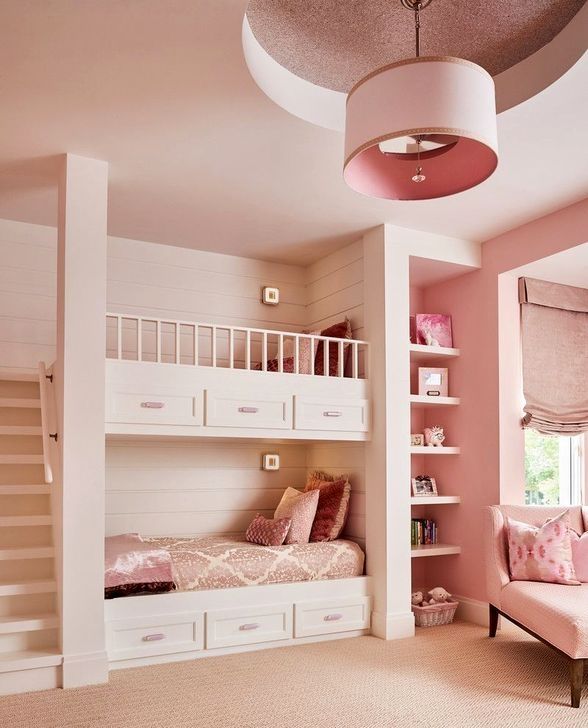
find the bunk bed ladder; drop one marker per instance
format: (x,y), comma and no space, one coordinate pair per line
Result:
(29,640)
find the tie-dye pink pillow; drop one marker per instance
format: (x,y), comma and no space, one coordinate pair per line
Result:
(541,553)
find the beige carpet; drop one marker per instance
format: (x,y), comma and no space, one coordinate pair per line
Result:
(445,677)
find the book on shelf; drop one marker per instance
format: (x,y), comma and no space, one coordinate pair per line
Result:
(423,532)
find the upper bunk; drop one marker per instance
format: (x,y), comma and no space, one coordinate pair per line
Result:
(190,379)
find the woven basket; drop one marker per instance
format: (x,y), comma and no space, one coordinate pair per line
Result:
(434,615)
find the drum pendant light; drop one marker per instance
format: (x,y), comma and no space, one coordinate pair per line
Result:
(420,128)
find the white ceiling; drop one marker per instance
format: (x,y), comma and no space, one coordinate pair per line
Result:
(199,157)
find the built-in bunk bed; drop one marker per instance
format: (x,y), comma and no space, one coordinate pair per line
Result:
(178,596)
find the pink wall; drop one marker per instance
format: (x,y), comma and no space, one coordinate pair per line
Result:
(473,301)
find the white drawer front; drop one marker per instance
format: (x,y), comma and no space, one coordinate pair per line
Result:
(235,409)
(341,415)
(143,636)
(247,626)
(333,615)
(155,408)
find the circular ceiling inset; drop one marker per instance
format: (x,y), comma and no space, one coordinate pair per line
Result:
(333,44)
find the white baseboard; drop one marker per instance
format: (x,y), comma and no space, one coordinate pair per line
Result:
(472,610)
(87,669)
(29,681)
(392,626)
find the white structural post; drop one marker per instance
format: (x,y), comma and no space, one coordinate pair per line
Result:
(387,457)
(80,381)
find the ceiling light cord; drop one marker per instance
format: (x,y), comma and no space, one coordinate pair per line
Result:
(417,29)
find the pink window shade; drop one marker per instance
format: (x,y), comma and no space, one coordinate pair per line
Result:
(554,327)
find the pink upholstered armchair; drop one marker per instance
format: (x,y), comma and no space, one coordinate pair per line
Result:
(553,613)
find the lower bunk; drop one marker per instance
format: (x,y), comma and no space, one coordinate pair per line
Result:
(232,596)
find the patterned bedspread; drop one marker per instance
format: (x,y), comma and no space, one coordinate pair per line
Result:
(214,562)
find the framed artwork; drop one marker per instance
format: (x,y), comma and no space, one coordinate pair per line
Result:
(433,329)
(424,485)
(417,440)
(433,381)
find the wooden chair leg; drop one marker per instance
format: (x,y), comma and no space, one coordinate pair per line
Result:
(576,680)
(493,620)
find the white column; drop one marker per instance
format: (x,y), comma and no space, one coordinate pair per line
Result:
(80,374)
(387,457)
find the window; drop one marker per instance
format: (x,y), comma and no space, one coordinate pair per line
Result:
(554,469)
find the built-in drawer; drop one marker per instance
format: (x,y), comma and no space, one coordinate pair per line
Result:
(340,415)
(248,625)
(244,409)
(144,636)
(155,408)
(343,614)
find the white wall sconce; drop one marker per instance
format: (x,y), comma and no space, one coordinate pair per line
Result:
(271,461)
(270,296)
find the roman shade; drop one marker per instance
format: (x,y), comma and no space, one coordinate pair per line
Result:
(554,323)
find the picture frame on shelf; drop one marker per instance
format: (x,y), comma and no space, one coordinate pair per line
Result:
(424,486)
(433,381)
(417,440)
(433,329)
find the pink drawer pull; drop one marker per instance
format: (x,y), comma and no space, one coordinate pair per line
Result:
(153,405)
(332,617)
(249,410)
(153,637)
(248,627)
(332,414)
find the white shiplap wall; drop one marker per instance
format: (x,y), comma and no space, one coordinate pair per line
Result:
(27,295)
(334,291)
(188,488)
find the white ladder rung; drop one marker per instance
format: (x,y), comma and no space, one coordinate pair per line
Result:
(24,489)
(27,552)
(20,430)
(34,586)
(20,402)
(28,623)
(19,459)
(12,521)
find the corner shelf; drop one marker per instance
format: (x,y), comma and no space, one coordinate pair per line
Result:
(422,353)
(439,549)
(423,400)
(424,450)
(434,500)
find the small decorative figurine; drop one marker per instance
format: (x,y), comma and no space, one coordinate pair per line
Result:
(434,436)
(438,595)
(416,598)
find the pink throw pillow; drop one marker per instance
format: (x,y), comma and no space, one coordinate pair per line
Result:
(541,553)
(301,508)
(333,505)
(268,532)
(580,555)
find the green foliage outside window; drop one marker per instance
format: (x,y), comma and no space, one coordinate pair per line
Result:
(541,469)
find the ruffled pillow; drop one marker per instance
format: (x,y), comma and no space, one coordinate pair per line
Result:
(541,553)
(333,505)
(268,532)
(301,509)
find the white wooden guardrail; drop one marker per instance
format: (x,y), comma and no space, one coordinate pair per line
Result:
(140,338)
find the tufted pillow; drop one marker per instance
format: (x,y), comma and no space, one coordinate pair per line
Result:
(268,532)
(342,330)
(333,505)
(300,508)
(580,555)
(541,553)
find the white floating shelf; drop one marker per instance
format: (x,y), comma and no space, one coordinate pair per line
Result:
(422,401)
(435,500)
(422,353)
(438,549)
(424,450)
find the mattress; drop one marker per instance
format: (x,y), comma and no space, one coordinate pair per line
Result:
(216,562)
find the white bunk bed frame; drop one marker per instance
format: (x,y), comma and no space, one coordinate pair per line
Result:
(186,379)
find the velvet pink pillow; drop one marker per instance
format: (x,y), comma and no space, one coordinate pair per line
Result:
(268,532)
(580,555)
(333,505)
(301,508)
(541,553)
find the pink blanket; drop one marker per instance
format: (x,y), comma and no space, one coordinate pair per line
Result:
(130,560)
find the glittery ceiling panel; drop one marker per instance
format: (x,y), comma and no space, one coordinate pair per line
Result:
(334,43)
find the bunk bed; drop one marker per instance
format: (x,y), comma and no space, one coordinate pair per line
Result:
(195,380)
